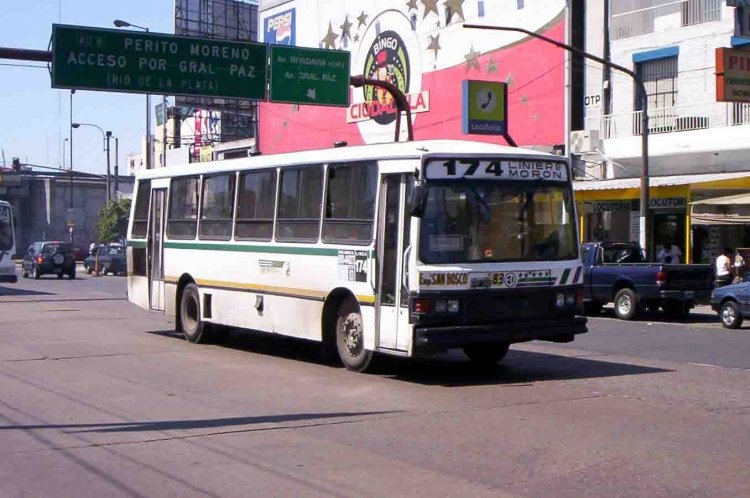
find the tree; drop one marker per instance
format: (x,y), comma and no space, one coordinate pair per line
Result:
(113,221)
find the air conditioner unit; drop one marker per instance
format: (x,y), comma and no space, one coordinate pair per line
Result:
(582,141)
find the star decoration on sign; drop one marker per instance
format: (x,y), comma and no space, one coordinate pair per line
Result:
(536,117)
(345,29)
(330,38)
(524,99)
(456,7)
(430,6)
(491,66)
(411,4)
(509,79)
(472,59)
(362,19)
(434,44)
(356,38)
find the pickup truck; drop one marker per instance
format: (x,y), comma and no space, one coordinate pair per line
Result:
(618,272)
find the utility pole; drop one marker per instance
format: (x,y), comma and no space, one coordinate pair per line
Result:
(642,97)
(109,190)
(71,148)
(164,130)
(117,168)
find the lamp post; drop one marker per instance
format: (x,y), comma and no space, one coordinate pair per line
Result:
(125,24)
(71,148)
(105,138)
(642,96)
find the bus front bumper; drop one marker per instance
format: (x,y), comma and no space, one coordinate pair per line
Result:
(456,336)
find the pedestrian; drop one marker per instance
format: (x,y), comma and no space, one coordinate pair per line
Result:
(669,254)
(739,267)
(724,268)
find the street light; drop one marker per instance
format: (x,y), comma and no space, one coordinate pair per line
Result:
(642,95)
(125,24)
(105,138)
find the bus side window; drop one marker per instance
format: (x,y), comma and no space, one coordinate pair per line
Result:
(217,207)
(300,195)
(256,202)
(350,203)
(182,222)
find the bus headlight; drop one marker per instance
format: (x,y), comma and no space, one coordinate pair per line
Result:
(447,306)
(560,300)
(570,299)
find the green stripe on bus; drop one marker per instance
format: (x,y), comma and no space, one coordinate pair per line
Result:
(136,243)
(564,277)
(310,251)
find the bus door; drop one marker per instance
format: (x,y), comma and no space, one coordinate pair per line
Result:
(156,249)
(392,298)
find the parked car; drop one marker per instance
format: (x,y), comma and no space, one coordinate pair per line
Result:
(80,253)
(732,303)
(618,272)
(112,259)
(53,257)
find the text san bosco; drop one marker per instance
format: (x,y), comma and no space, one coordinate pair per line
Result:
(197,61)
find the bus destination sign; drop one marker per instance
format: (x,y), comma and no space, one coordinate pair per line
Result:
(496,169)
(126,61)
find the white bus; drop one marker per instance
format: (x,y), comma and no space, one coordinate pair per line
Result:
(7,244)
(402,249)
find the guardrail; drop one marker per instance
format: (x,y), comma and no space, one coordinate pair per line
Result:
(671,119)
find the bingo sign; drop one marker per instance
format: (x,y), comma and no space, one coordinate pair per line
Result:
(484,107)
(280,30)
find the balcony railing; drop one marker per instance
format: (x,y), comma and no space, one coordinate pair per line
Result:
(650,18)
(672,119)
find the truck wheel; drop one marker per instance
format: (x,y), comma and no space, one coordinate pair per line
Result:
(486,355)
(730,315)
(626,304)
(350,340)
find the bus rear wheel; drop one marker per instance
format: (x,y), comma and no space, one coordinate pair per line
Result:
(486,355)
(190,314)
(350,341)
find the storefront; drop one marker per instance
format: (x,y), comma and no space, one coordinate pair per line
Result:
(720,222)
(609,210)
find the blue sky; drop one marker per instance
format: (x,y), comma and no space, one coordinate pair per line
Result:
(37,116)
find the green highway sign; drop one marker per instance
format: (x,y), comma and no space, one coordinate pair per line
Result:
(127,61)
(309,76)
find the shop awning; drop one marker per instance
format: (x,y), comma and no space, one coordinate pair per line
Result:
(727,210)
(656,181)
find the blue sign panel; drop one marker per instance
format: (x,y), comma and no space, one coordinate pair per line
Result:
(280,28)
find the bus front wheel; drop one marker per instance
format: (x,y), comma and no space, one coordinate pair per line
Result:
(350,338)
(190,314)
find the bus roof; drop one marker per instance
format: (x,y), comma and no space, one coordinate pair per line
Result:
(400,150)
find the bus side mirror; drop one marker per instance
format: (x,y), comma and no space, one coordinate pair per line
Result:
(418,200)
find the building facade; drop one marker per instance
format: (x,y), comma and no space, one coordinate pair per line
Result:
(422,47)
(698,148)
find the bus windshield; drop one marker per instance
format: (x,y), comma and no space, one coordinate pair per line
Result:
(6,230)
(494,221)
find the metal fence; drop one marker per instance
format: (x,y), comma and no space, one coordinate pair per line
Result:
(639,17)
(672,119)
